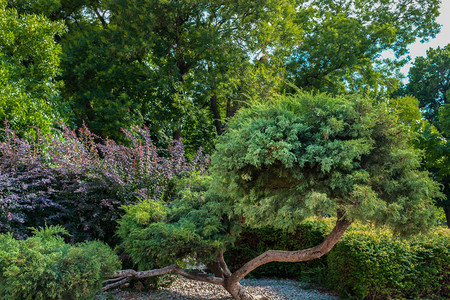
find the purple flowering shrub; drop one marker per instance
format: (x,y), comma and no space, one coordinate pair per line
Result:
(79,181)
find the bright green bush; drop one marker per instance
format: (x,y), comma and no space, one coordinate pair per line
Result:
(254,241)
(45,267)
(374,264)
(193,226)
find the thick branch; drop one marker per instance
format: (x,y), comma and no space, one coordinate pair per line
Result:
(215,268)
(123,276)
(121,281)
(200,277)
(295,256)
(223,264)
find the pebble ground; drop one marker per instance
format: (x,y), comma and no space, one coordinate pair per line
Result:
(185,289)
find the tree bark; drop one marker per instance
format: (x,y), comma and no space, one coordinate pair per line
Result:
(447,215)
(239,293)
(342,224)
(230,281)
(216,114)
(231,109)
(176,135)
(100,17)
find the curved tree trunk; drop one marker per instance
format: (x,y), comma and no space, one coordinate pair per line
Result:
(230,281)
(238,292)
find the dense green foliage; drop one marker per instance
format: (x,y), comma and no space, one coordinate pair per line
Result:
(29,61)
(303,155)
(429,82)
(180,67)
(370,263)
(45,267)
(280,163)
(195,225)
(183,68)
(254,241)
(343,41)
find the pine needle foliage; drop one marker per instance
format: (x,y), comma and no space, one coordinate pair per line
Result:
(194,226)
(45,267)
(297,156)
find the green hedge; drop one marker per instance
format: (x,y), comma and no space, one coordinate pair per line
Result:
(366,263)
(371,263)
(253,242)
(45,267)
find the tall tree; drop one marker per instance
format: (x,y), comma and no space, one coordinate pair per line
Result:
(279,163)
(180,68)
(29,64)
(183,68)
(202,52)
(429,81)
(344,40)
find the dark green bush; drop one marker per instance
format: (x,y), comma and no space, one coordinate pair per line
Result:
(45,267)
(373,264)
(253,242)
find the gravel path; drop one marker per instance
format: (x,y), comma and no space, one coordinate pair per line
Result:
(187,289)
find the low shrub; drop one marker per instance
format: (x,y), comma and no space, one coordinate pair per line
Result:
(80,181)
(254,241)
(371,263)
(45,267)
(192,227)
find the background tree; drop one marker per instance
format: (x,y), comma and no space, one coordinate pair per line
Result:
(429,81)
(29,64)
(180,68)
(201,53)
(183,68)
(344,40)
(277,164)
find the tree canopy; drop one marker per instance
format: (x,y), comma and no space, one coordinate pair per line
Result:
(304,155)
(341,49)
(429,81)
(29,64)
(183,68)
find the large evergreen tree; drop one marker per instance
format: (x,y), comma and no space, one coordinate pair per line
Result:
(277,164)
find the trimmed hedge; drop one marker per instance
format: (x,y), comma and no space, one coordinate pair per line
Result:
(371,263)
(253,242)
(45,267)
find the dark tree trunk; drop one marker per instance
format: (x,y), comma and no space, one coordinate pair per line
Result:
(231,109)
(100,17)
(216,114)
(447,215)
(177,134)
